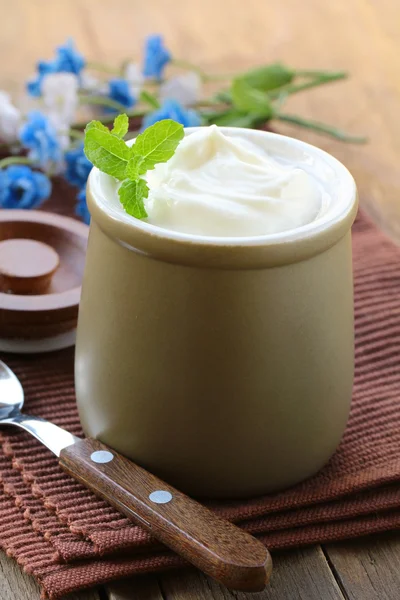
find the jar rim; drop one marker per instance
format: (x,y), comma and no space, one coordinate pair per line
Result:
(317,234)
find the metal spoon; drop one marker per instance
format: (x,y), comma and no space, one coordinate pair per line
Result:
(212,544)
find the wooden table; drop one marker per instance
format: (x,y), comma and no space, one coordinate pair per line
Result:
(362,36)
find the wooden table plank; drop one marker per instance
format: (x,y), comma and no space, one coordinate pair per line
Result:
(298,575)
(143,587)
(368,569)
(14,583)
(17,585)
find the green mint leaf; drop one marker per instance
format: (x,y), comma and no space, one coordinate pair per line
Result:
(107,152)
(121,126)
(150,99)
(158,142)
(248,99)
(95,125)
(135,167)
(269,77)
(131,195)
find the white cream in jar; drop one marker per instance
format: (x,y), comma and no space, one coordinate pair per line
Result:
(228,186)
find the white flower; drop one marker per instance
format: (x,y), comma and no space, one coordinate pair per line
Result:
(90,83)
(10,119)
(134,77)
(183,88)
(60,96)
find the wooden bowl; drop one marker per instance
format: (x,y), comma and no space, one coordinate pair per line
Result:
(40,279)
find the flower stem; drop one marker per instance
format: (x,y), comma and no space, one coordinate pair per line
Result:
(15,160)
(102,101)
(110,119)
(294,88)
(209,104)
(321,128)
(311,73)
(73,134)
(96,66)
(148,98)
(77,135)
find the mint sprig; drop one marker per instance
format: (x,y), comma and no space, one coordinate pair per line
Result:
(110,153)
(107,152)
(136,167)
(131,194)
(121,126)
(158,143)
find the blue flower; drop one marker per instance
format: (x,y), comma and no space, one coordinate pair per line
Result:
(156,56)
(77,172)
(120,91)
(171,109)
(33,87)
(81,209)
(40,137)
(20,187)
(67,60)
(78,166)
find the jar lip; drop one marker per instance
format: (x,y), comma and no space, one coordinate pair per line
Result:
(339,210)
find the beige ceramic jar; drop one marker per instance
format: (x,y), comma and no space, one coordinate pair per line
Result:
(225,366)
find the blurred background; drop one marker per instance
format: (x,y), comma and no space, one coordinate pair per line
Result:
(359,36)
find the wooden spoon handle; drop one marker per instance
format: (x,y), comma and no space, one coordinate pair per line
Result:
(212,544)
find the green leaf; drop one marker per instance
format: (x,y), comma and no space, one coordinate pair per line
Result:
(95,125)
(269,77)
(136,167)
(107,152)
(150,99)
(223,96)
(121,126)
(158,142)
(248,99)
(132,194)
(236,118)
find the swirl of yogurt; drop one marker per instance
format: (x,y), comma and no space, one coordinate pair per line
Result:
(227,186)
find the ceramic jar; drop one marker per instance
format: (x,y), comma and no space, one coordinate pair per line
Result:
(224,366)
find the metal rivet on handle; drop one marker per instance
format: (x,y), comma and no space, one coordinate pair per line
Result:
(101,456)
(160,497)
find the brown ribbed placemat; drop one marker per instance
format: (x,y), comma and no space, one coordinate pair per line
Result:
(68,539)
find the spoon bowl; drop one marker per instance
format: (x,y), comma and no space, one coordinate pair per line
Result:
(11,393)
(11,403)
